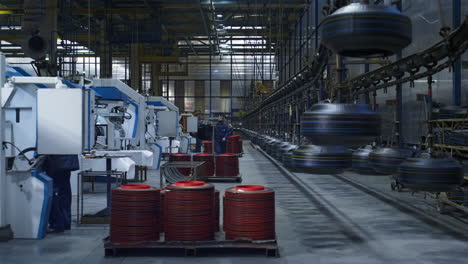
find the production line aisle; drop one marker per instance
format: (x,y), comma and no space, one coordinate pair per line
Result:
(328,221)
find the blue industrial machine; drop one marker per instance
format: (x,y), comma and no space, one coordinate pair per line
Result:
(41,116)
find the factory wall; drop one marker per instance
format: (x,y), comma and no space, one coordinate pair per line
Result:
(426,25)
(223,76)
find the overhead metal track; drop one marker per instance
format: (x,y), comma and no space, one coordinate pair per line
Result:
(434,59)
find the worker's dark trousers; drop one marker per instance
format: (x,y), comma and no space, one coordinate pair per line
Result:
(198,145)
(220,147)
(60,215)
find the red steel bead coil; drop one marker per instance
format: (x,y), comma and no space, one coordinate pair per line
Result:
(162,215)
(234,144)
(227,165)
(189,210)
(135,186)
(181,157)
(134,214)
(207,146)
(249,213)
(216,211)
(209,163)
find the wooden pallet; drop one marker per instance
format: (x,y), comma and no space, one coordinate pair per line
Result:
(269,247)
(223,179)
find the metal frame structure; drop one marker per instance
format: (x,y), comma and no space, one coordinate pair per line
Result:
(303,82)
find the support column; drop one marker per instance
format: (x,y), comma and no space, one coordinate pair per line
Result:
(105,52)
(135,67)
(457,65)
(155,81)
(5,229)
(399,103)
(2,151)
(51,17)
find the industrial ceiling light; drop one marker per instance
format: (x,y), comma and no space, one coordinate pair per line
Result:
(219,15)
(6,12)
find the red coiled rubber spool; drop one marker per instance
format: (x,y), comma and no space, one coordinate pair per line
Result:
(234,144)
(209,163)
(216,211)
(189,211)
(181,157)
(227,165)
(249,213)
(208,147)
(134,214)
(162,215)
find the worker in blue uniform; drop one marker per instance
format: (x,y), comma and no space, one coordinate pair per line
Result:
(221,134)
(199,133)
(59,168)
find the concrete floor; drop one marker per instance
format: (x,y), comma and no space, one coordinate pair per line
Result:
(337,223)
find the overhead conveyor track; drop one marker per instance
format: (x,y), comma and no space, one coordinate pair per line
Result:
(340,211)
(303,87)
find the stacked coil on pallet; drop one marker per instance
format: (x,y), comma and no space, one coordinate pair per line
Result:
(216,211)
(209,163)
(207,146)
(189,210)
(234,144)
(181,157)
(227,165)
(249,213)
(134,214)
(162,213)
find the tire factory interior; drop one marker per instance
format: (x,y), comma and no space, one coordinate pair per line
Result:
(234,131)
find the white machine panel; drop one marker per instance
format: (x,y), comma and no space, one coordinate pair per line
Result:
(167,123)
(60,121)
(192,124)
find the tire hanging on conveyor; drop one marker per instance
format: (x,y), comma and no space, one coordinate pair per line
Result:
(361,162)
(387,160)
(321,159)
(283,150)
(269,145)
(189,211)
(350,125)
(459,196)
(134,214)
(449,112)
(276,149)
(430,174)
(366,30)
(288,159)
(249,213)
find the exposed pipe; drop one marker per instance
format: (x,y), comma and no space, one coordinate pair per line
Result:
(191,47)
(202,14)
(33,14)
